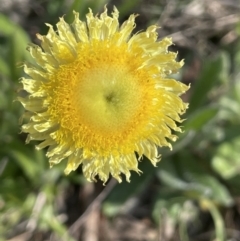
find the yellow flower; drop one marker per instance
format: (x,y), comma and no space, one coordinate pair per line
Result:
(99,94)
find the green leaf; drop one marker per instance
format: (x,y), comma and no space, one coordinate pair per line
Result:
(17,41)
(200,118)
(230,110)
(7,27)
(26,162)
(31,161)
(127,6)
(210,74)
(4,67)
(216,191)
(226,161)
(193,181)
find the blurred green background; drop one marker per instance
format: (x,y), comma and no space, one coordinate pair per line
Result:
(193,194)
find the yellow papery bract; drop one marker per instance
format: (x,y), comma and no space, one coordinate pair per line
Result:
(99,94)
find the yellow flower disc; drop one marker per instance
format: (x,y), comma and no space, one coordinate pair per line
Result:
(100,94)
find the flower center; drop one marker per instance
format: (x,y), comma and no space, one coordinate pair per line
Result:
(107,98)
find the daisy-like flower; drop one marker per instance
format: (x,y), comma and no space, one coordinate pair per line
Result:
(99,94)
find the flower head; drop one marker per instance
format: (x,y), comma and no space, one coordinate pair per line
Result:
(98,94)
